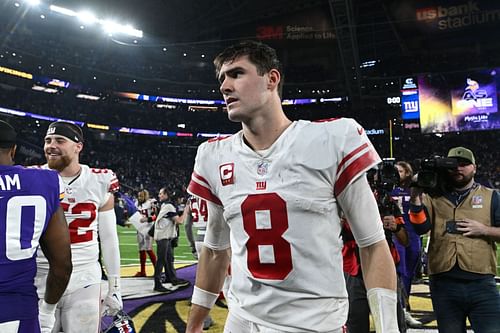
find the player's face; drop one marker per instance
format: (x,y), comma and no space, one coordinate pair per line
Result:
(245,91)
(462,174)
(403,174)
(60,151)
(162,195)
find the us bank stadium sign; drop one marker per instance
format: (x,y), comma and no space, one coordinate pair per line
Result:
(459,15)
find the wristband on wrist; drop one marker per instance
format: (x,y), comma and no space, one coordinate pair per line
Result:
(203,298)
(113,283)
(46,307)
(382,304)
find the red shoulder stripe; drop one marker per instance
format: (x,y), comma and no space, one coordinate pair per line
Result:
(197,176)
(357,166)
(203,192)
(114,186)
(350,155)
(219,138)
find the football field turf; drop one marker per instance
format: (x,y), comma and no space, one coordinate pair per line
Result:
(161,314)
(130,254)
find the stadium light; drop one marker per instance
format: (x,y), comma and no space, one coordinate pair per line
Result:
(89,97)
(110,27)
(130,30)
(87,17)
(62,10)
(33,2)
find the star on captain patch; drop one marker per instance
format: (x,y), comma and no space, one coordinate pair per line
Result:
(262,167)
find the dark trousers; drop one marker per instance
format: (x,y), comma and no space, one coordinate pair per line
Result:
(454,300)
(358,320)
(165,254)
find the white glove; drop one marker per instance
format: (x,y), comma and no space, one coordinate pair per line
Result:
(46,316)
(113,303)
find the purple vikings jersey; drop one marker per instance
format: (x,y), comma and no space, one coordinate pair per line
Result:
(28,199)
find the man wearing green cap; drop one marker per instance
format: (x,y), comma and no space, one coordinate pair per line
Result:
(465,224)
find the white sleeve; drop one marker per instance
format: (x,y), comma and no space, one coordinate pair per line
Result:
(218,231)
(361,211)
(109,241)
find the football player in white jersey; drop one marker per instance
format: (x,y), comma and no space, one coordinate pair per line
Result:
(88,206)
(196,219)
(147,208)
(274,192)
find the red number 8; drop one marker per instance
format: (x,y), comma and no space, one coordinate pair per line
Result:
(276,206)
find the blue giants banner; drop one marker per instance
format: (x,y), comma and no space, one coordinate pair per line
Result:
(409,98)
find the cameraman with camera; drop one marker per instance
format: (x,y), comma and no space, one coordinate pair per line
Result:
(382,181)
(464,220)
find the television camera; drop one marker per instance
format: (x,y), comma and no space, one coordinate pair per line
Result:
(433,174)
(383,179)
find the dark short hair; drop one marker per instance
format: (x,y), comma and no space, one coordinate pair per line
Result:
(261,55)
(8,135)
(164,190)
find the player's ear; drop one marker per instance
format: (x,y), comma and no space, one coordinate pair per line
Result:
(274,79)
(79,147)
(13,151)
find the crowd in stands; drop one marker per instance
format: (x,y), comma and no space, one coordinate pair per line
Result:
(148,162)
(151,162)
(43,50)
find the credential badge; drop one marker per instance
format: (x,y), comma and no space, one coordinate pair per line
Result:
(477,201)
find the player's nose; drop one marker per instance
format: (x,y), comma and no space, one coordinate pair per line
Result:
(226,87)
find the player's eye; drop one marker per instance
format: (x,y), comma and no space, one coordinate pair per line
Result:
(236,73)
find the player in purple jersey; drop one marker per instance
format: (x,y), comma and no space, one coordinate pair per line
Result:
(30,215)
(409,254)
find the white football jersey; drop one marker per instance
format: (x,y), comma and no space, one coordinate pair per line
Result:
(199,217)
(82,199)
(147,208)
(281,208)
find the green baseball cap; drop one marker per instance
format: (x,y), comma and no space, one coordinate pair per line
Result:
(461,152)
